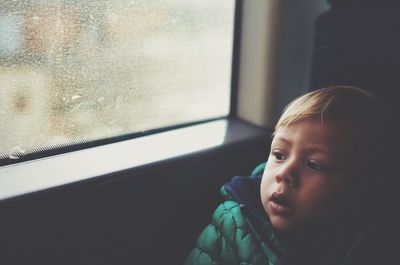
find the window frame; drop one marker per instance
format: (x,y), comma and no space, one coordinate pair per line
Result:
(23,176)
(80,145)
(253,92)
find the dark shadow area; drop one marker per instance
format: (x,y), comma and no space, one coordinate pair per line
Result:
(357,43)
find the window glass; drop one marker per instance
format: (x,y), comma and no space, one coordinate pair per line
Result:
(81,70)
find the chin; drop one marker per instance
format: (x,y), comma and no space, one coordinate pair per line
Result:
(281,224)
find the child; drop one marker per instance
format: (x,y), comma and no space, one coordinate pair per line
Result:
(309,205)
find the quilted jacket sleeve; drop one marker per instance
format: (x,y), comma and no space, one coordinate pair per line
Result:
(215,244)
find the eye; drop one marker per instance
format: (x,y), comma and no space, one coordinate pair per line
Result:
(278,155)
(314,166)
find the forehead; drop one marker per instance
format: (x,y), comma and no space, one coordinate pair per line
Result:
(333,137)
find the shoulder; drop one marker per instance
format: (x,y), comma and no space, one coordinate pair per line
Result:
(237,232)
(228,218)
(229,239)
(226,221)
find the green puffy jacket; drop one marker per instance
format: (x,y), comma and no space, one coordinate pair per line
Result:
(233,237)
(240,235)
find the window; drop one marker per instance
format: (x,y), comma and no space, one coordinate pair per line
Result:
(80,71)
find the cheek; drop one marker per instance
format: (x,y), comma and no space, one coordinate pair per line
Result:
(266,185)
(317,191)
(321,197)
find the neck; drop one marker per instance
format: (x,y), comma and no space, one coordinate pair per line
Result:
(311,245)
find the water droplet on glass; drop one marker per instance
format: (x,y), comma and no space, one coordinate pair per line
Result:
(11,156)
(76,97)
(16,152)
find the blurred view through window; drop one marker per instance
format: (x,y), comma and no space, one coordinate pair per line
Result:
(81,70)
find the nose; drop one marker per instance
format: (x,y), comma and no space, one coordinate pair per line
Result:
(287,174)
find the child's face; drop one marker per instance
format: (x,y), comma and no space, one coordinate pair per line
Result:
(308,169)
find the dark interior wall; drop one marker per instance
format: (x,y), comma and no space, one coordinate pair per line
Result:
(147,215)
(296,35)
(357,43)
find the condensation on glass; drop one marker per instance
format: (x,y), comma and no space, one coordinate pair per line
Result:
(74,71)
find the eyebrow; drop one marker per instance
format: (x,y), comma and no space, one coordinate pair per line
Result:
(281,139)
(310,148)
(317,149)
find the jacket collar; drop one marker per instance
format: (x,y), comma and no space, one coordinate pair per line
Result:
(246,192)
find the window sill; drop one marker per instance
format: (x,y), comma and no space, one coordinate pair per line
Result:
(46,173)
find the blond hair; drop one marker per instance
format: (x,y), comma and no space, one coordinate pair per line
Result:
(336,103)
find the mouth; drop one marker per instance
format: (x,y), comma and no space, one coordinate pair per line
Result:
(279,204)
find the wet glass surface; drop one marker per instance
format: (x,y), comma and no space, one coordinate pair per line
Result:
(73,71)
